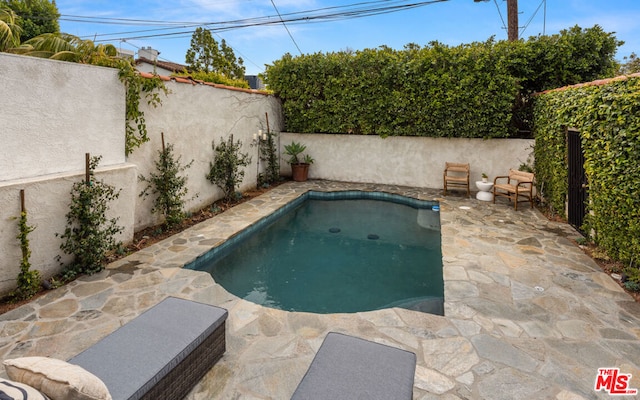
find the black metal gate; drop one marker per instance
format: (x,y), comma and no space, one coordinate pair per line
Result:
(577,207)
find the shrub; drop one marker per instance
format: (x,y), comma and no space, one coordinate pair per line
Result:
(168,186)
(225,171)
(89,235)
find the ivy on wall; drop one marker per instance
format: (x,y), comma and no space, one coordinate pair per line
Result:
(608,118)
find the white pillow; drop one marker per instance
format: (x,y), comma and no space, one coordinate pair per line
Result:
(57,379)
(19,391)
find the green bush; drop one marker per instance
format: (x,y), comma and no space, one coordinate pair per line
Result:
(433,91)
(168,186)
(89,235)
(225,171)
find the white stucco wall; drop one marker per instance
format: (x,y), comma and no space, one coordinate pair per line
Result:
(191,117)
(403,160)
(53,112)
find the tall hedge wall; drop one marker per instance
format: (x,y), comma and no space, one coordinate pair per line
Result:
(471,90)
(608,118)
(463,91)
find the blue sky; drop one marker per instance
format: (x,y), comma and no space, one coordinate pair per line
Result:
(451,22)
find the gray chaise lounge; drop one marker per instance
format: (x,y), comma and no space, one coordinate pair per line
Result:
(349,368)
(161,354)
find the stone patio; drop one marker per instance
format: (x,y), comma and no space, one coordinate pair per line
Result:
(527,314)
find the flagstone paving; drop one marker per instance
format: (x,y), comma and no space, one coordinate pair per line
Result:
(527,314)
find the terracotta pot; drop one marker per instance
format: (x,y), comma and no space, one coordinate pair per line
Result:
(300,172)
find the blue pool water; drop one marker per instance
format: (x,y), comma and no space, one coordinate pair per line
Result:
(348,254)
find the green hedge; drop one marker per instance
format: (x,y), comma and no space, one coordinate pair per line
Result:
(608,117)
(438,91)
(471,90)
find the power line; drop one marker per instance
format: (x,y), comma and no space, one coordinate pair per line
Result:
(285,27)
(524,28)
(504,25)
(327,14)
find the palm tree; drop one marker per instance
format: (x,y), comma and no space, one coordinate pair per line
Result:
(9,30)
(65,47)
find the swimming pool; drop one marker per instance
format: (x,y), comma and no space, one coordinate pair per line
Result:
(337,252)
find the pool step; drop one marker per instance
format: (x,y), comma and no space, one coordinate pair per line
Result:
(426,304)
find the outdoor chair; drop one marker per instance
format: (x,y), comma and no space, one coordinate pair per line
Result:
(456,176)
(347,368)
(518,187)
(161,354)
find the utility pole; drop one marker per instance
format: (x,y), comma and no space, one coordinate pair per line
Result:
(512,20)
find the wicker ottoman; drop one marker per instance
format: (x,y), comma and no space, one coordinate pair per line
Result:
(349,368)
(161,354)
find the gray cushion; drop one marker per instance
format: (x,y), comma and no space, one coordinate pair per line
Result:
(350,368)
(135,357)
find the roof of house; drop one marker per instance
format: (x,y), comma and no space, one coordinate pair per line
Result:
(598,82)
(171,66)
(188,79)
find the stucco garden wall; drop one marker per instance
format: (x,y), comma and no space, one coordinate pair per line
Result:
(403,160)
(47,201)
(54,112)
(191,117)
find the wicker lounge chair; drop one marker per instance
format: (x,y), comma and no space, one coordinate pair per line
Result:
(518,187)
(348,368)
(161,354)
(456,176)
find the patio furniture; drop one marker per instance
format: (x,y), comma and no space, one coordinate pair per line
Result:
(161,354)
(456,176)
(518,187)
(347,368)
(484,191)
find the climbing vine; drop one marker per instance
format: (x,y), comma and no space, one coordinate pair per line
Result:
(608,118)
(138,87)
(268,153)
(28,279)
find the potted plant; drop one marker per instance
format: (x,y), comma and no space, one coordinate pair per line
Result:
(484,177)
(299,163)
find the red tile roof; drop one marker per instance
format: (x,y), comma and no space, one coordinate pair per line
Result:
(188,79)
(598,82)
(171,66)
